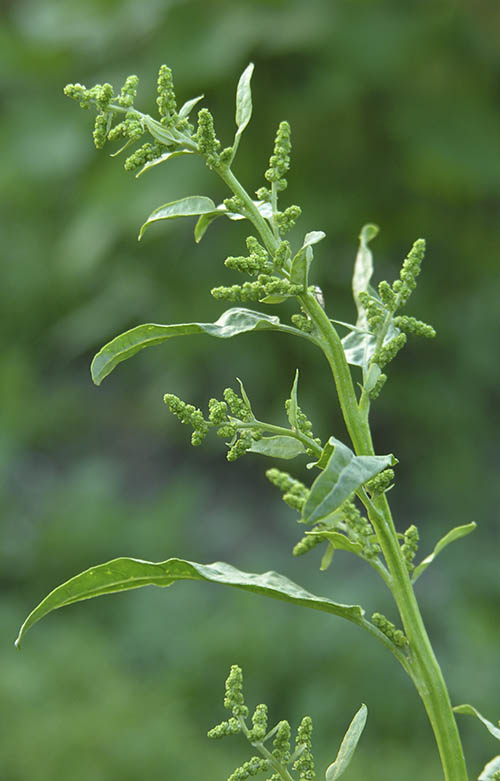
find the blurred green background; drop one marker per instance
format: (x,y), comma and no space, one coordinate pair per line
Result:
(395,111)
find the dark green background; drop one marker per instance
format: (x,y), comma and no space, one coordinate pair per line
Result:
(395,110)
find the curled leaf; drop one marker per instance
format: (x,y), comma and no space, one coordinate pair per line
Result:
(244,99)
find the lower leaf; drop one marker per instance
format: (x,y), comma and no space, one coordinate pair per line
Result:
(124,574)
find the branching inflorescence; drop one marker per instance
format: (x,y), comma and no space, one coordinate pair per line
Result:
(345,504)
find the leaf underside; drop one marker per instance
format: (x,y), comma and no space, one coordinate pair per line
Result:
(471,711)
(232,322)
(490,769)
(124,574)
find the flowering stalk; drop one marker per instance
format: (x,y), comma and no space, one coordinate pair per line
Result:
(346,506)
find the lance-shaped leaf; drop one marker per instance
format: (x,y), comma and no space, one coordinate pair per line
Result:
(454,534)
(292,407)
(300,264)
(489,770)
(348,745)
(356,344)
(188,106)
(470,711)
(278,447)
(344,473)
(185,207)
(244,100)
(162,159)
(124,574)
(232,322)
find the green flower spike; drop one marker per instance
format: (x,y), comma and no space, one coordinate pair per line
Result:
(208,144)
(294,492)
(279,162)
(166,101)
(409,547)
(305,762)
(389,630)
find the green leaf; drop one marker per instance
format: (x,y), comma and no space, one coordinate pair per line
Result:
(206,219)
(470,711)
(299,271)
(348,745)
(292,408)
(244,100)
(278,447)
(124,574)
(357,345)
(188,106)
(339,541)
(327,557)
(324,457)
(490,769)
(185,207)
(230,323)
(162,159)
(454,534)
(343,474)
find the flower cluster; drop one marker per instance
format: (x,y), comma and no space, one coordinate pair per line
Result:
(380,483)
(208,143)
(397,636)
(280,757)
(279,162)
(409,547)
(390,332)
(294,492)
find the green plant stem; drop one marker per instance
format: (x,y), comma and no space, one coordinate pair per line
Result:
(423,666)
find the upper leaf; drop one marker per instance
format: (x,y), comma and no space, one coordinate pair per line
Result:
(244,99)
(188,106)
(221,211)
(343,474)
(348,745)
(124,574)
(230,323)
(454,534)
(185,207)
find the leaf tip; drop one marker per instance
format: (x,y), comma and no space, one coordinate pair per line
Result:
(368,232)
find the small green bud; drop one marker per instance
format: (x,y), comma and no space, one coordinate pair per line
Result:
(380,483)
(128,92)
(407,282)
(281,743)
(294,492)
(389,630)
(259,722)
(307,543)
(287,219)
(279,162)
(234,699)
(409,547)
(282,255)
(305,762)
(374,393)
(166,102)
(264,194)
(388,351)
(100,130)
(387,295)
(410,325)
(208,144)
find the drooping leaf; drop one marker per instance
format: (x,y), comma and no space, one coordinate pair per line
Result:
(206,220)
(188,106)
(356,344)
(244,99)
(454,534)
(348,745)
(278,447)
(339,541)
(344,473)
(489,770)
(327,558)
(230,323)
(471,711)
(162,159)
(185,207)
(124,574)
(292,408)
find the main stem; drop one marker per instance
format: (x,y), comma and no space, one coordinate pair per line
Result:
(423,666)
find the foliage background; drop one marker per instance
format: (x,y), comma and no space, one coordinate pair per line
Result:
(395,114)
